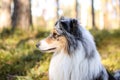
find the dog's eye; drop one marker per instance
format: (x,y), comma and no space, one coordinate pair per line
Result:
(55,35)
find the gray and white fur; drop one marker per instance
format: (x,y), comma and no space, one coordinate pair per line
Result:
(82,60)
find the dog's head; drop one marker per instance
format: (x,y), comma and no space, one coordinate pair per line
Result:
(63,36)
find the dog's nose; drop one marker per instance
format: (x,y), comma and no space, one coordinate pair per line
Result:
(37,45)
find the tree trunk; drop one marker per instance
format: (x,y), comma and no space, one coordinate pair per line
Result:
(22,14)
(58,8)
(5,13)
(93,15)
(118,12)
(76,8)
(31,24)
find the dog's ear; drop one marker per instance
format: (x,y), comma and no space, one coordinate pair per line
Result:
(74,30)
(65,25)
(73,25)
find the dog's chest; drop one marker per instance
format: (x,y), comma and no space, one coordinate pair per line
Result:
(64,67)
(60,67)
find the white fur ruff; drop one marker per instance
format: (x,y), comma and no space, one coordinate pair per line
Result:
(76,66)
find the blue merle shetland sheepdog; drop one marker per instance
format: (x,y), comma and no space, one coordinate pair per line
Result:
(75,55)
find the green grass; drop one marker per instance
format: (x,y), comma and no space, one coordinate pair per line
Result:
(21,60)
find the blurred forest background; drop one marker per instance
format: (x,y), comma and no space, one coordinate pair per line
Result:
(24,22)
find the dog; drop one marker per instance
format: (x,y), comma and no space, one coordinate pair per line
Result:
(75,55)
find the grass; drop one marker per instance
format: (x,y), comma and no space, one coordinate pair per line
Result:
(20,60)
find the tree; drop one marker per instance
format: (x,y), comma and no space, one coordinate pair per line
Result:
(21,17)
(76,8)
(93,14)
(116,9)
(5,13)
(58,8)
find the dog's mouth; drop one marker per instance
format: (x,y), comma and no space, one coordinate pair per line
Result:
(51,49)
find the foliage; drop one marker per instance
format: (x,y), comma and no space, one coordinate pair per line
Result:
(21,60)
(108,43)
